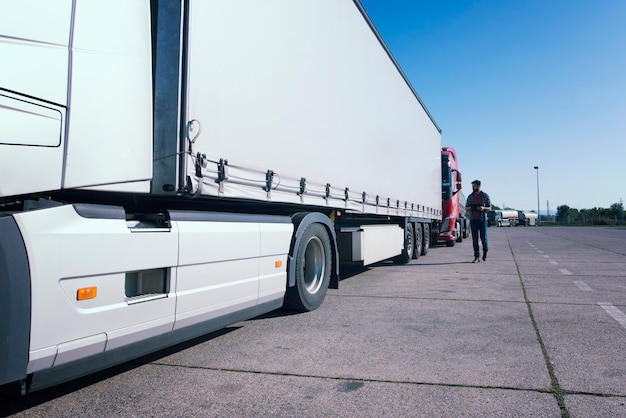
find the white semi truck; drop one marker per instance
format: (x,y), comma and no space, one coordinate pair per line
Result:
(170,167)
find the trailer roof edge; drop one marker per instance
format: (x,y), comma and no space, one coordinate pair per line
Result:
(393,59)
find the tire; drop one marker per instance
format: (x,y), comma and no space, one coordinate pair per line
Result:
(313,264)
(425,238)
(459,232)
(409,246)
(450,243)
(417,251)
(465,234)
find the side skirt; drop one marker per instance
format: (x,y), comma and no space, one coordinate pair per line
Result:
(85,366)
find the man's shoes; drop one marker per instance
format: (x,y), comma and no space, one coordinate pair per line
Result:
(485,256)
(476,260)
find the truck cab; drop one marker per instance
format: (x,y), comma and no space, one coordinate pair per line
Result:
(453,227)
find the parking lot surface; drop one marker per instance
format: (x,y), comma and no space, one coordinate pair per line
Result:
(539,329)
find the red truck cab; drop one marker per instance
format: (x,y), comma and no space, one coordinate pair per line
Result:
(454,224)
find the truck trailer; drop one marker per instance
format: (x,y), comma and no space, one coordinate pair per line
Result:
(170,167)
(508,217)
(454,224)
(525,218)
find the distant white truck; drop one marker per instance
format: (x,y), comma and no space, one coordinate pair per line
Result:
(526,218)
(505,217)
(194,164)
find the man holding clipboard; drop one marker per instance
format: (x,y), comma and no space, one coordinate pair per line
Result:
(480,204)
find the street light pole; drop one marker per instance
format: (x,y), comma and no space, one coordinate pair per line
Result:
(538,207)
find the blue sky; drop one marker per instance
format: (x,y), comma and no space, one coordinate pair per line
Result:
(515,84)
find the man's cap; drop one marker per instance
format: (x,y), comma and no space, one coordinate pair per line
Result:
(476,182)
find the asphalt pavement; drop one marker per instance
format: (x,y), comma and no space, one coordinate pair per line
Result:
(539,329)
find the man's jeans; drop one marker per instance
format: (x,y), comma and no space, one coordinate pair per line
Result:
(479,226)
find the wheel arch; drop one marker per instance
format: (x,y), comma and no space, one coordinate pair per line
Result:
(301,221)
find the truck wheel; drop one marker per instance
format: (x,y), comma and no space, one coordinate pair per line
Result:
(417,251)
(409,246)
(425,238)
(459,232)
(313,264)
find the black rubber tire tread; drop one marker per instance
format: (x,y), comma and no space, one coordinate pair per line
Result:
(425,238)
(409,240)
(417,251)
(298,297)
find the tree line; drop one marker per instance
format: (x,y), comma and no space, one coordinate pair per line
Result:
(614,215)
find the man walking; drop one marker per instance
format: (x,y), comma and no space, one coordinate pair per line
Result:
(480,204)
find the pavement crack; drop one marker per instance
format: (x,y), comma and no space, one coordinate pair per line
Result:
(556,388)
(395,382)
(359,379)
(444,299)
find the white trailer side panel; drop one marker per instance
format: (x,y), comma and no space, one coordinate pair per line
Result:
(305,89)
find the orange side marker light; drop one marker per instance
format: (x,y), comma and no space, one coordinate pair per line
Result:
(278,264)
(85,293)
